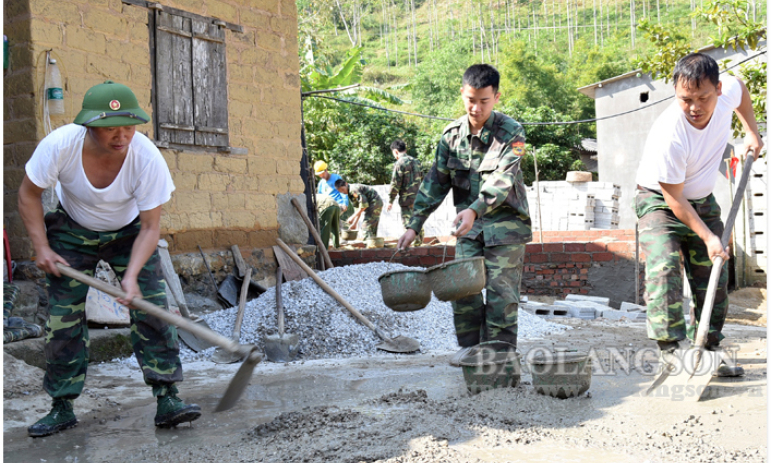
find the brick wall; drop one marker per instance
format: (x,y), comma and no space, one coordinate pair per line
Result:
(221,199)
(596,262)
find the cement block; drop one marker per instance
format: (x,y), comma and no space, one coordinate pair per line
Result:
(580,297)
(629,307)
(550,311)
(613,314)
(586,310)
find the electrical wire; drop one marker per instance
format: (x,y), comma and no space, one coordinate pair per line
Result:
(582,121)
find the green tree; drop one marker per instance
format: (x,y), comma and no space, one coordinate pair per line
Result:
(734,30)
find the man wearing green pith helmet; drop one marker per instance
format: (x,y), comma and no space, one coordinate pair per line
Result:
(111,183)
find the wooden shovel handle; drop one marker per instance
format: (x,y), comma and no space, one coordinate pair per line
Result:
(242,303)
(314,232)
(717,264)
(330,291)
(155,311)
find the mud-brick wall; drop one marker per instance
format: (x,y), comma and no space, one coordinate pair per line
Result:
(221,198)
(597,263)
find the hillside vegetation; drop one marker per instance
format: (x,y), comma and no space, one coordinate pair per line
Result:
(415,51)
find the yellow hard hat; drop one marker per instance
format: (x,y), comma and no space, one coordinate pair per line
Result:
(319,167)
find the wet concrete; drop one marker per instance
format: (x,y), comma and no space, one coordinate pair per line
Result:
(613,407)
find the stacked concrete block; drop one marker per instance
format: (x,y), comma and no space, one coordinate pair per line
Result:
(581,297)
(613,314)
(574,205)
(629,307)
(585,310)
(756,247)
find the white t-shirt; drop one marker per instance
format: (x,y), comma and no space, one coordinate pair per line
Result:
(143,183)
(677,152)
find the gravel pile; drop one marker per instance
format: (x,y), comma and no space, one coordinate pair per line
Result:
(327,330)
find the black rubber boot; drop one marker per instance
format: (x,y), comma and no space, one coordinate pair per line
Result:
(60,418)
(172,411)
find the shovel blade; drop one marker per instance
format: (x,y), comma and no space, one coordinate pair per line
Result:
(195,343)
(688,376)
(239,382)
(225,356)
(282,349)
(399,345)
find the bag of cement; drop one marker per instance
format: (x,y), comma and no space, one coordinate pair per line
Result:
(101,308)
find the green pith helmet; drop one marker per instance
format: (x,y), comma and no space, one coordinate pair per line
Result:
(110,105)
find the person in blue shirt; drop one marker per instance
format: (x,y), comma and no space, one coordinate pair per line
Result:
(327,186)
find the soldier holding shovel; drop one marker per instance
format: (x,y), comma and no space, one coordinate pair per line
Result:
(675,206)
(111,183)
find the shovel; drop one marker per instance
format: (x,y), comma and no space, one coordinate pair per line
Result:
(172,281)
(399,344)
(691,369)
(240,380)
(223,355)
(284,347)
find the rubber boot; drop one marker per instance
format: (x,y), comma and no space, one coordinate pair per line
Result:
(172,411)
(458,356)
(60,418)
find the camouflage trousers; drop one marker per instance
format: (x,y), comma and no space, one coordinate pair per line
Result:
(329,221)
(371,220)
(496,319)
(406,217)
(663,239)
(15,328)
(67,341)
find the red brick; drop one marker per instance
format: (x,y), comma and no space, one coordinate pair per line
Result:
(580,258)
(574,284)
(583,277)
(559,257)
(548,272)
(602,256)
(532,248)
(553,247)
(584,270)
(584,291)
(335,255)
(361,260)
(570,265)
(352,254)
(575,247)
(621,247)
(553,283)
(450,251)
(428,261)
(411,261)
(422,250)
(538,258)
(595,247)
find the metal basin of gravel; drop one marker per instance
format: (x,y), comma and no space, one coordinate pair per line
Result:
(491,365)
(561,374)
(349,235)
(458,278)
(405,290)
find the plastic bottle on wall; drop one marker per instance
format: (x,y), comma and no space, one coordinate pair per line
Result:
(54,93)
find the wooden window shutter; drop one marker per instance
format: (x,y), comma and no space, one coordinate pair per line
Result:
(210,96)
(191,81)
(174,78)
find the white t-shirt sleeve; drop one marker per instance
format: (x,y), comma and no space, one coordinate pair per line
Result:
(731,90)
(43,167)
(154,185)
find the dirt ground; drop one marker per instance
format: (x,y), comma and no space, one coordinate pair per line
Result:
(411,409)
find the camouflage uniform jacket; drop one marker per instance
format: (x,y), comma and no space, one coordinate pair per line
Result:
(484,174)
(363,196)
(405,181)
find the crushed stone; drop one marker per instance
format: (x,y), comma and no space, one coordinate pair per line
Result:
(327,330)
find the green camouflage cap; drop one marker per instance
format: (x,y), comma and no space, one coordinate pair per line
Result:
(110,105)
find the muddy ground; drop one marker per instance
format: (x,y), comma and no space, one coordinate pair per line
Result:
(410,409)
